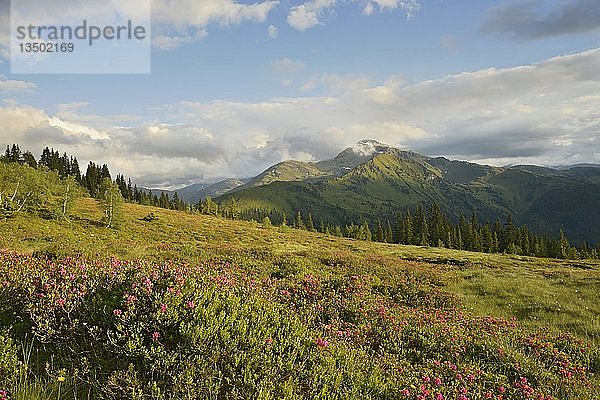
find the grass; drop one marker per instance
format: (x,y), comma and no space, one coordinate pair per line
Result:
(557,294)
(304,287)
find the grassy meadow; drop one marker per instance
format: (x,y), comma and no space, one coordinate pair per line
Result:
(194,306)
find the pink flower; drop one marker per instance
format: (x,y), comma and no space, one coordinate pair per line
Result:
(117,312)
(148,284)
(523,380)
(501,389)
(60,302)
(437,381)
(488,395)
(163,308)
(439,396)
(130,299)
(155,336)
(269,340)
(405,392)
(190,304)
(426,379)
(321,342)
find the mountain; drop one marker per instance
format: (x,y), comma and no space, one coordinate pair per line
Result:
(299,171)
(371,180)
(200,191)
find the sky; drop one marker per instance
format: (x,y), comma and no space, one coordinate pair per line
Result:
(237,86)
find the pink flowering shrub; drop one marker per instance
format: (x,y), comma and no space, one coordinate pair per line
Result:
(154,329)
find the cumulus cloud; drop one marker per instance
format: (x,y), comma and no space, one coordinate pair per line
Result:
(527,21)
(273,32)
(336,83)
(184,13)
(546,113)
(312,12)
(308,14)
(175,22)
(179,22)
(8,85)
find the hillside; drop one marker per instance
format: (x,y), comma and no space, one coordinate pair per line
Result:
(259,302)
(388,180)
(373,298)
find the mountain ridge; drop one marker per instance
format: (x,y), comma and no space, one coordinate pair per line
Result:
(384,180)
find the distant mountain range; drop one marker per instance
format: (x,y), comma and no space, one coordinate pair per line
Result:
(200,191)
(372,180)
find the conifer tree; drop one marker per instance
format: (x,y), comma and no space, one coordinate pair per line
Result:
(29,159)
(283,220)
(379,234)
(424,240)
(389,235)
(408,228)
(299,224)
(309,223)
(365,232)
(563,245)
(399,227)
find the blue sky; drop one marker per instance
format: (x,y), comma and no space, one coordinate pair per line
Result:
(236,86)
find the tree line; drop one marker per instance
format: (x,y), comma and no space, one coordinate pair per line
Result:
(51,185)
(418,226)
(432,227)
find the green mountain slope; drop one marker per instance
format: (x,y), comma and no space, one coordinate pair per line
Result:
(389,180)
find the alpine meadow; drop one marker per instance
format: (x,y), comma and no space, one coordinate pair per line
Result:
(312,199)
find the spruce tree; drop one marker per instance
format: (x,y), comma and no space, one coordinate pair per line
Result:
(424,240)
(309,223)
(408,228)
(299,224)
(389,235)
(365,232)
(563,246)
(399,228)
(379,234)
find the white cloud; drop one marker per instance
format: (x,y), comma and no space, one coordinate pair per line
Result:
(547,113)
(8,85)
(307,15)
(183,13)
(179,22)
(369,9)
(336,83)
(69,128)
(173,41)
(175,22)
(311,13)
(287,65)
(273,32)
